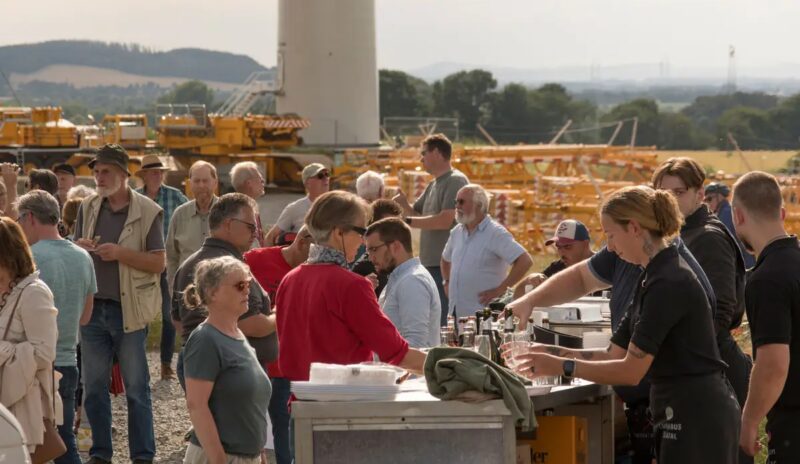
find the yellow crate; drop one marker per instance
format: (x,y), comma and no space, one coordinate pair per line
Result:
(559,440)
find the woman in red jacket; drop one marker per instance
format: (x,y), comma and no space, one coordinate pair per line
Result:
(325,312)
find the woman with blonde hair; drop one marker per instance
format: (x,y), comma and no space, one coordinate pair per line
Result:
(227,390)
(28,336)
(668,330)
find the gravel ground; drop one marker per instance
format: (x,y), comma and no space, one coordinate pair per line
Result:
(170,418)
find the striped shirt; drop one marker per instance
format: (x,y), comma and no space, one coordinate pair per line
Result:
(168,198)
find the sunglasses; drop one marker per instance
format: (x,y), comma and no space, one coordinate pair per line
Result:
(243,285)
(250,225)
(359,230)
(323,175)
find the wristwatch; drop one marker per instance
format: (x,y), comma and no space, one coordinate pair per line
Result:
(408,220)
(569,367)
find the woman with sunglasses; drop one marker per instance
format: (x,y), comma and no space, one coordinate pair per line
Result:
(227,391)
(316,180)
(325,312)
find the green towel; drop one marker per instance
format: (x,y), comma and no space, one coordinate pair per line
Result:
(450,372)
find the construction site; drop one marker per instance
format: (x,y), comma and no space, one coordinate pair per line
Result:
(533,187)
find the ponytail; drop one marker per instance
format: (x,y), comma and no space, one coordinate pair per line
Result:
(191,297)
(667,214)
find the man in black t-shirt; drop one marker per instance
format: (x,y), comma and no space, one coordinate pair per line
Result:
(772,299)
(573,245)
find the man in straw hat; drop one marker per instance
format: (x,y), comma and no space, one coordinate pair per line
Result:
(168,198)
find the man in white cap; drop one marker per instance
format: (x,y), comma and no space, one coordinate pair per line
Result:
(573,245)
(168,198)
(316,180)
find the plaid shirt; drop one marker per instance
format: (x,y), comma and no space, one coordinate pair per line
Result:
(168,199)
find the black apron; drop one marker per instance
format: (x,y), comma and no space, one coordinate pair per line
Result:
(696,420)
(783,429)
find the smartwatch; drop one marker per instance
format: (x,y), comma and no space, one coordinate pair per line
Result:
(569,367)
(408,220)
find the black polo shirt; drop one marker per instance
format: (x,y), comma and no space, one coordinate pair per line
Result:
(258,300)
(623,276)
(718,254)
(773,308)
(671,318)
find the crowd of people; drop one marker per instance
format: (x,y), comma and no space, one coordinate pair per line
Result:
(336,279)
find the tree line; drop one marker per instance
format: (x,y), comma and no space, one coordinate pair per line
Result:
(516,113)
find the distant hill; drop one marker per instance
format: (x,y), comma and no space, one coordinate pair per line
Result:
(188,63)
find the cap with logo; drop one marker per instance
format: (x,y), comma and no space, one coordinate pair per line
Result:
(312,170)
(111,153)
(569,231)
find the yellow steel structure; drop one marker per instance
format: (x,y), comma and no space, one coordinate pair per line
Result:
(214,135)
(533,187)
(40,127)
(128,130)
(189,134)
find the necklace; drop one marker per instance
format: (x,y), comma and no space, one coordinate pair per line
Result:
(5,294)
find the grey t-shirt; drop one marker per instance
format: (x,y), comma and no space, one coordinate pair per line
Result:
(294,215)
(439,195)
(109,227)
(67,269)
(241,391)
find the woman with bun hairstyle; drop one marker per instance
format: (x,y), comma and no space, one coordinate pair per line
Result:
(227,390)
(668,329)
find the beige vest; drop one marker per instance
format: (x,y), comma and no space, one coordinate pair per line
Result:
(140,292)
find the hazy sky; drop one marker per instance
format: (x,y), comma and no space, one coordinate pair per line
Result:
(416,33)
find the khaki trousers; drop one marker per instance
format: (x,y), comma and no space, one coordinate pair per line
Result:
(196,455)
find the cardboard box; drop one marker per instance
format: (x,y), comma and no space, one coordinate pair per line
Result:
(559,440)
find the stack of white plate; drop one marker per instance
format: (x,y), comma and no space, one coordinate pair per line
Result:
(321,392)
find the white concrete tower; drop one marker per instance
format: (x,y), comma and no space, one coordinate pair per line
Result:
(326,57)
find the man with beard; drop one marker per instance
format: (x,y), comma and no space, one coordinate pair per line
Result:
(410,299)
(476,259)
(122,230)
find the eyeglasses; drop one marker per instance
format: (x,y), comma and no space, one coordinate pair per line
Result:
(323,175)
(252,227)
(359,230)
(375,248)
(243,285)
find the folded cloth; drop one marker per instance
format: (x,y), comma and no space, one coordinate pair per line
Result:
(449,372)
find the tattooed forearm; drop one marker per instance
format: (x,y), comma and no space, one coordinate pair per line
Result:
(587,355)
(554,350)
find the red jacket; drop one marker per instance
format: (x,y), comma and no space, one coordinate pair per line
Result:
(328,314)
(268,266)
